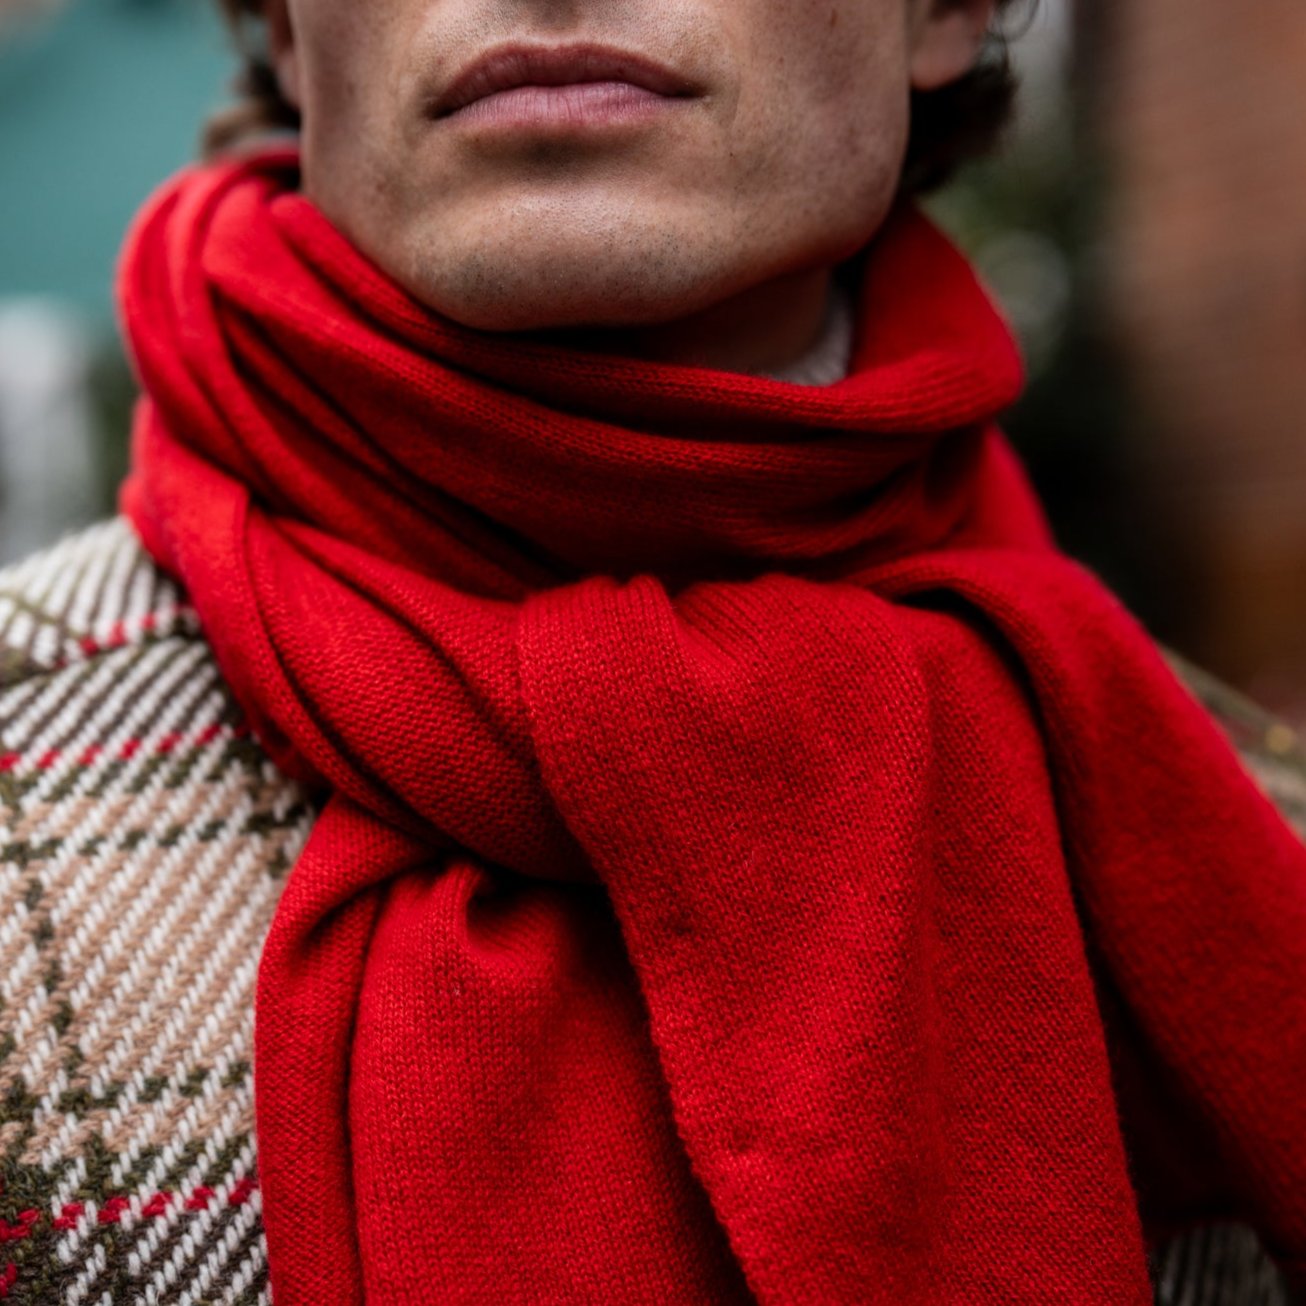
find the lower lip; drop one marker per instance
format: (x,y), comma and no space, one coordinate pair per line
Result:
(577,105)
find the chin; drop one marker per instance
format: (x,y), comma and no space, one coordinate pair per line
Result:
(508,279)
(542,309)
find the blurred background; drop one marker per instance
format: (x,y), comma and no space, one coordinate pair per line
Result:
(1145,229)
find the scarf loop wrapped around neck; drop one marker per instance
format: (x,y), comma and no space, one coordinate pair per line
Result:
(755,864)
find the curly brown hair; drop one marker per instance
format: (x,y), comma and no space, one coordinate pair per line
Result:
(949,126)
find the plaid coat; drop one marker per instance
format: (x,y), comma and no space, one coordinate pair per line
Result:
(144,839)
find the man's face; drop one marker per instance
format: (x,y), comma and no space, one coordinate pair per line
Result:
(773,149)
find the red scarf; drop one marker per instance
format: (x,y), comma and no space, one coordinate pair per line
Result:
(757,865)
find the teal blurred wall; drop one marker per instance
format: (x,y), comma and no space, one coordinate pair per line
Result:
(99,101)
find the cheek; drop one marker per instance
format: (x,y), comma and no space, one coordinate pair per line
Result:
(823,114)
(345,51)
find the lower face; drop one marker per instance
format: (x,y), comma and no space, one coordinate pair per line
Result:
(602,206)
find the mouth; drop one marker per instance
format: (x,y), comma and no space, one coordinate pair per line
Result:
(530,83)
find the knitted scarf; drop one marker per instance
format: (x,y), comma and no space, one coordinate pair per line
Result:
(755,864)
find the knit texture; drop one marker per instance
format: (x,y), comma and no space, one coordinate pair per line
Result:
(144,841)
(749,842)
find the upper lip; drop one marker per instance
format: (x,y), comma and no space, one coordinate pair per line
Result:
(507,66)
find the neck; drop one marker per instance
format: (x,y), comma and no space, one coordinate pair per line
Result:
(764,329)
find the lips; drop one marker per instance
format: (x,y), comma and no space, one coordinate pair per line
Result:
(507,67)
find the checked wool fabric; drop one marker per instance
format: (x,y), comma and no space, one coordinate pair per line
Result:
(144,843)
(754,865)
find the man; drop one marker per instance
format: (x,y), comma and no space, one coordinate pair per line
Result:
(578,633)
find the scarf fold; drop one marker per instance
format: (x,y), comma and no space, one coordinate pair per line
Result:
(755,864)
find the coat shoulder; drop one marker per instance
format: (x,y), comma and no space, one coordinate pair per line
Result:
(144,839)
